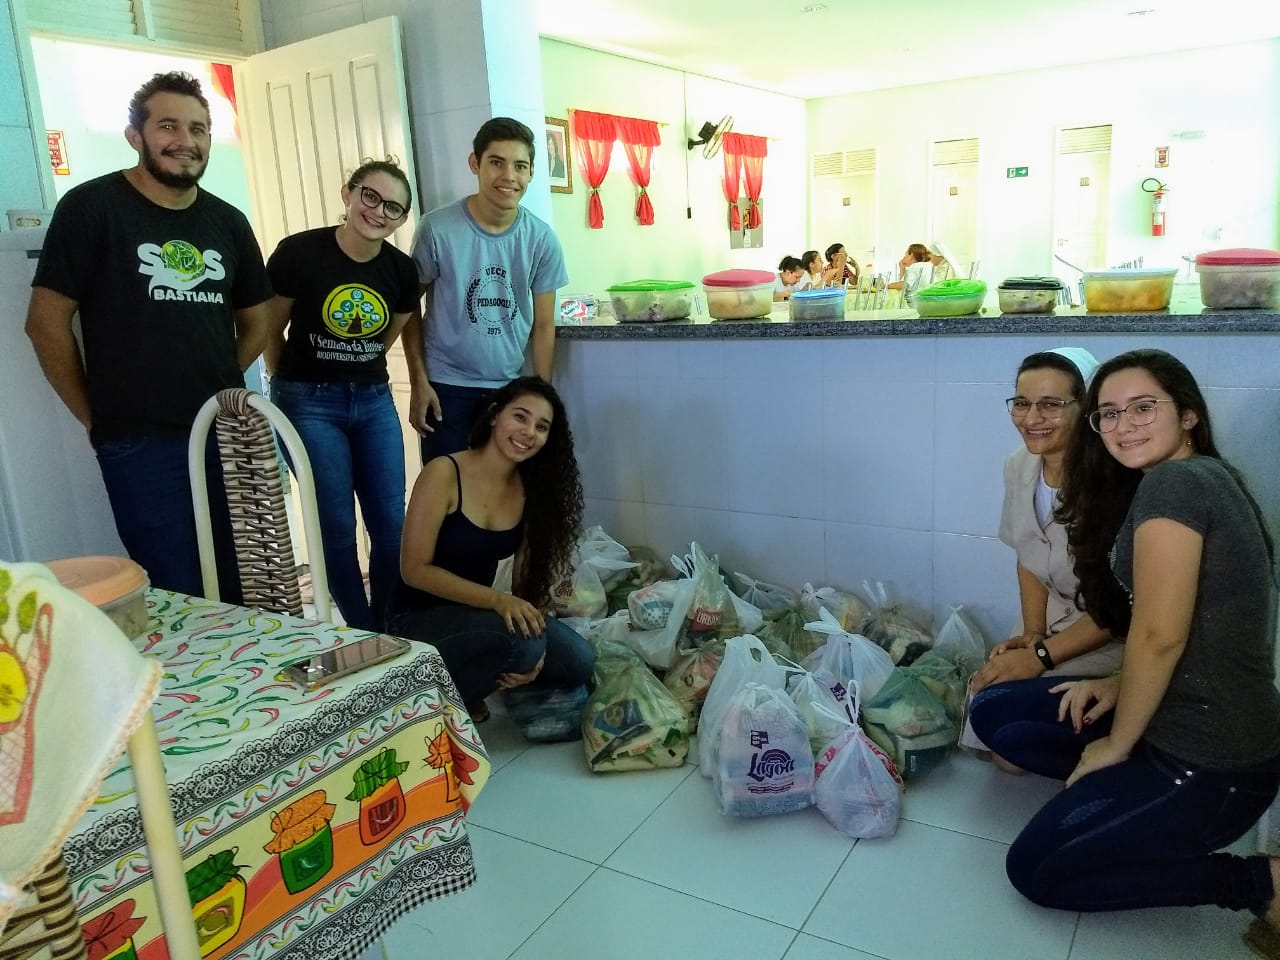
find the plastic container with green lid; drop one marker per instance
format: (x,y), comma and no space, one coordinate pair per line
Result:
(951,298)
(645,301)
(1239,278)
(818,303)
(1029,294)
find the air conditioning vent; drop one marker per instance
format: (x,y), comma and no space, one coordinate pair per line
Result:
(946,152)
(1085,139)
(843,163)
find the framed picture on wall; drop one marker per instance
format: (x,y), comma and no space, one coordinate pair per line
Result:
(559,164)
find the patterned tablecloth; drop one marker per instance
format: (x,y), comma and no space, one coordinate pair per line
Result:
(309,822)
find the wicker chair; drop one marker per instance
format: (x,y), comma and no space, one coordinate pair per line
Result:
(246,425)
(40,807)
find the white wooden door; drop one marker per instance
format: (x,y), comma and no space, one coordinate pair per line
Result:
(312,112)
(953,212)
(1081,192)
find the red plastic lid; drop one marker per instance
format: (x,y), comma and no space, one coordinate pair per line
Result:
(738,278)
(99,579)
(1238,257)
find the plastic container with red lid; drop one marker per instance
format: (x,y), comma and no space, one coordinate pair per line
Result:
(739,294)
(1239,278)
(115,585)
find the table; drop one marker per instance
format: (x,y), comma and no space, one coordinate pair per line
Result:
(309,821)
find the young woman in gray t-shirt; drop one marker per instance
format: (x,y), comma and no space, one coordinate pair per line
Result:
(1178,754)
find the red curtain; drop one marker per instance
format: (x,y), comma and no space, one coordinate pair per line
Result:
(752,150)
(593,136)
(639,137)
(732,176)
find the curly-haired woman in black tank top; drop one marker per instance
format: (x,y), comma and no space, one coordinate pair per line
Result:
(515,491)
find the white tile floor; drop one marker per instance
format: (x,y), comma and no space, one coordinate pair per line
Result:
(633,866)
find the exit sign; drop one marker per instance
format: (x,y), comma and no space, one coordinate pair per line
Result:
(1012,172)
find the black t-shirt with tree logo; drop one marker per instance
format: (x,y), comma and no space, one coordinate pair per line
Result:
(342,308)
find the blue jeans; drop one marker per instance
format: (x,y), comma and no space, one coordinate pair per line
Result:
(478,648)
(149,488)
(353,439)
(461,407)
(1141,833)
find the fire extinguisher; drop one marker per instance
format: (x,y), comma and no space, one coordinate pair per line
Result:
(1157,190)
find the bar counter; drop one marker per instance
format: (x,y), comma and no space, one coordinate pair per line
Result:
(1186,314)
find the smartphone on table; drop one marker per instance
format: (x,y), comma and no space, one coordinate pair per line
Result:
(321,669)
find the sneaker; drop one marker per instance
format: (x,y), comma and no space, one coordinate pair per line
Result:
(479,711)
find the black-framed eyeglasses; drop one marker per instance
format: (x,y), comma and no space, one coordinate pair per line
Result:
(1050,409)
(372,199)
(1139,413)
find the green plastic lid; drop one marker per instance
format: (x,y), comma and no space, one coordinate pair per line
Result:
(648,286)
(953,288)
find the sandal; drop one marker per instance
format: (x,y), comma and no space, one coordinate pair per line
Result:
(1263,939)
(479,711)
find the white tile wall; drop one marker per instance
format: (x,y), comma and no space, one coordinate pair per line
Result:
(844,459)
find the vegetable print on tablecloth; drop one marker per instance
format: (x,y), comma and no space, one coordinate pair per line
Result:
(309,820)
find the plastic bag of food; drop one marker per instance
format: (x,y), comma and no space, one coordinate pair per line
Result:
(848,608)
(546,715)
(764,764)
(766,597)
(632,722)
(710,613)
(960,641)
(910,721)
(847,657)
(650,606)
(780,649)
(599,561)
(858,787)
(824,716)
(787,626)
(945,679)
(649,569)
(746,660)
(690,676)
(889,625)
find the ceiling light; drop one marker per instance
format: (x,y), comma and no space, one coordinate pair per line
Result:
(813,8)
(1140,13)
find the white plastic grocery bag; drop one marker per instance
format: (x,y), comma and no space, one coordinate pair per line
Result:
(823,715)
(598,562)
(746,660)
(961,641)
(848,608)
(764,763)
(858,788)
(767,597)
(847,657)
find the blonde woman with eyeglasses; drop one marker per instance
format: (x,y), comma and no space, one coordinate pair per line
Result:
(1176,755)
(1054,635)
(343,294)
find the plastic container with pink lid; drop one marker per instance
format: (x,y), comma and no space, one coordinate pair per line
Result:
(115,585)
(1239,278)
(739,294)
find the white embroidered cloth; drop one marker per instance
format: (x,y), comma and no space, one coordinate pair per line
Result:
(73,689)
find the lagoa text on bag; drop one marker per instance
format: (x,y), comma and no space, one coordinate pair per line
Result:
(772,770)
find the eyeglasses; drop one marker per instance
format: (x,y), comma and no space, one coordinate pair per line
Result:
(1139,413)
(372,199)
(1052,409)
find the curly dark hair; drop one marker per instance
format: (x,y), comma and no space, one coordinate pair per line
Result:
(1097,489)
(176,81)
(552,491)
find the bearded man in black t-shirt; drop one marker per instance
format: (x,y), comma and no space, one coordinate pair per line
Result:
(172,294)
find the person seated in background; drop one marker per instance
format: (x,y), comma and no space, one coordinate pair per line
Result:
(790,270)
(914,271)
(1054,636)
(811,260)
(514,491)
(1177,755)
(944,264)
(841,269)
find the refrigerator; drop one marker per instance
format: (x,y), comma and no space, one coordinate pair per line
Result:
(52,500)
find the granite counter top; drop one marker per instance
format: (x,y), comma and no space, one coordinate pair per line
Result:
(1185,315)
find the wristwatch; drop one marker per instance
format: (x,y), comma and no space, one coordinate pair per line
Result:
(1042,654)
